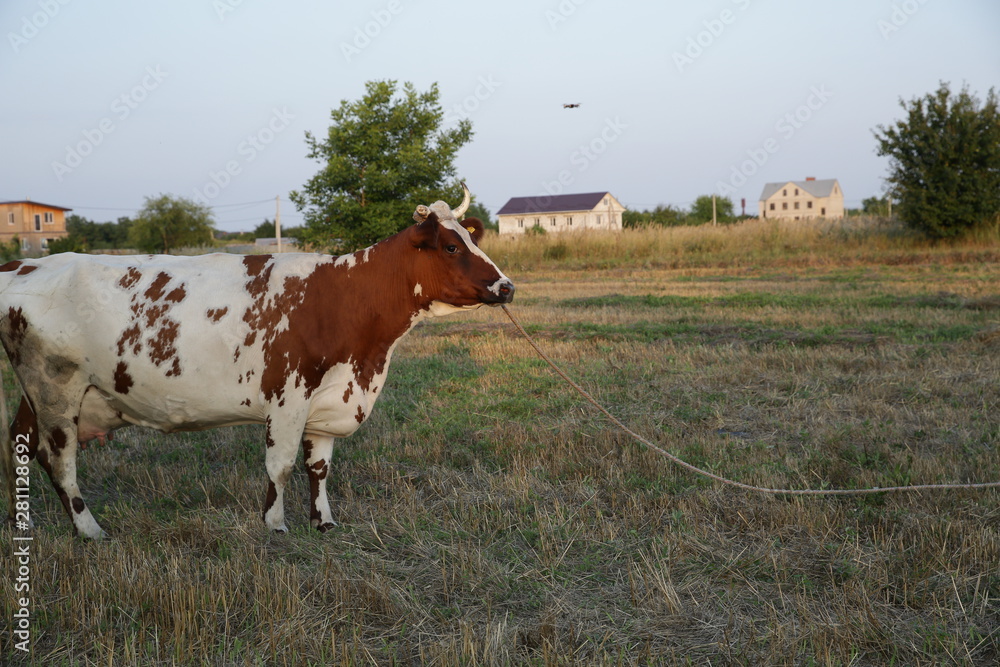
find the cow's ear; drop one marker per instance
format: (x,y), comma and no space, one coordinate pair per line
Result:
(425,234)
(475,228)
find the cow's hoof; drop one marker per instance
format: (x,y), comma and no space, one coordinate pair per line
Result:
(329,525)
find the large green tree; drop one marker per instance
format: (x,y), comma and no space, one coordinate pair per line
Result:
(944,161)
(383,155)
(165,223)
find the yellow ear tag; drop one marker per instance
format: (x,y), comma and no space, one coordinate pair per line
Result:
(472,230)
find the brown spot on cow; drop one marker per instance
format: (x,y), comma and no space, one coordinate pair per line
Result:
(19,266)
(25,424)
(161,345)
(272,495)
(350,390)
(78,505)
(18,325)
(215,314)
(123,381)
(150,315)
(268,440)
(156,289)
(131,277)
(57,440)
(131,338)
(17,329)
(176,295)
(258,274)
(360,416)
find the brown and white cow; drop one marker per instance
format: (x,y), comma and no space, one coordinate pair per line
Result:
(300,343)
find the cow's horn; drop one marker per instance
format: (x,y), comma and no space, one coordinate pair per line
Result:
(420,215)
(464,206)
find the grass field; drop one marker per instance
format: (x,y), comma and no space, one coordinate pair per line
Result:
(489,517)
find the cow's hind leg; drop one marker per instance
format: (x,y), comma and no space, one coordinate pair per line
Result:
(282,445)
(316,456)
(23,435)
(57,454)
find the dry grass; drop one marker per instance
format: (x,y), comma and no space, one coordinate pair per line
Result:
(490,518)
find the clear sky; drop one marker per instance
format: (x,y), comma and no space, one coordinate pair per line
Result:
(109,102)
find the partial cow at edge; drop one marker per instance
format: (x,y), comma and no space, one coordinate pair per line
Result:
(300,343)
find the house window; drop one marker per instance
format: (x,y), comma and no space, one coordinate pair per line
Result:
(538,222)
(569,221)
(784,193)
(809,204)
(38,223)
(605,201)
(772,206)
(796,206)
(822,211)
(520,222)
(552,221)
(10,218)
(49,219)
(45,244)
(784,206)
(25,246)
(600,219)
(796,192)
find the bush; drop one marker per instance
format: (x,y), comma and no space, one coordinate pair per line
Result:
(945,162)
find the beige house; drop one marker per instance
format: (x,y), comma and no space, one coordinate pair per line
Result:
(802,199)
(33,223)
(561,213)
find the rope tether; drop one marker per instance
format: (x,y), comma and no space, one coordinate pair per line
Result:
(705,473)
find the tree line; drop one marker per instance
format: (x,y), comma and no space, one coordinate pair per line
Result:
(390,150)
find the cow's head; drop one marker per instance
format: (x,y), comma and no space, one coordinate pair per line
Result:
(450,270)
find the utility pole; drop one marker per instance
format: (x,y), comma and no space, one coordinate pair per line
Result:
(277,220)
(713,210)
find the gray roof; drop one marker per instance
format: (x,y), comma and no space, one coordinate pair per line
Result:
(820,188)
(552,203)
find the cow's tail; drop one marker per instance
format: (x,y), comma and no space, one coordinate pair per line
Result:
(6,450)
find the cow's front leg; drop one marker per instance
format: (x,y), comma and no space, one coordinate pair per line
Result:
(57,455)
(281,449)
(316,456)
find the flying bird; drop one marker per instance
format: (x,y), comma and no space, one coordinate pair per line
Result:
(570,106)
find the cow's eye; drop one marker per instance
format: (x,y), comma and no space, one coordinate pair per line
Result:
(451,249)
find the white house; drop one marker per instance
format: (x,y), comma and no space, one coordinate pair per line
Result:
(560,213)
(802,199)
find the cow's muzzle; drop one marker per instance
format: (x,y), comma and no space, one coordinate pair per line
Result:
(505,291)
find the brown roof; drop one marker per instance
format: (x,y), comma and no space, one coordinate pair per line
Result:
(36,203)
